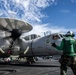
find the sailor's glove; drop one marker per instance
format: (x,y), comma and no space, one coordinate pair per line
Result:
(53,44)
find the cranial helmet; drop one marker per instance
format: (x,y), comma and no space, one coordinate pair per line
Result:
(70,33)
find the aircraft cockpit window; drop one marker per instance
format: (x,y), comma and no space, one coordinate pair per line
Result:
(55,37)
(61,35)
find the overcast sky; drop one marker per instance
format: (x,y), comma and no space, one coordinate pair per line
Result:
(44,15)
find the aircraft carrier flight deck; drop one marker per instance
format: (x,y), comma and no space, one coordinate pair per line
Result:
(41,67)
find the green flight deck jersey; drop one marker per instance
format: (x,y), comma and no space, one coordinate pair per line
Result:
(68,45)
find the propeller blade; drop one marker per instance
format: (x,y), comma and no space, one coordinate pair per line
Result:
(6,38)
(7,33)
(12,29)
(9,22)
(15,24)
(3,28)
(25,28)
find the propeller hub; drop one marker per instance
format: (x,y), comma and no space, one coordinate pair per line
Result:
(15,33)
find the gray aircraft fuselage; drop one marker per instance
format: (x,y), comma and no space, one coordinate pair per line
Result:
(40,46)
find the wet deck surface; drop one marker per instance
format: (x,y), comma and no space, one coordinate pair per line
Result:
(42,67)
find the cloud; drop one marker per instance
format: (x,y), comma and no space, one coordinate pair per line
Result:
(41,29)
(74,15)
(74,1)
(29,10)
(65,11)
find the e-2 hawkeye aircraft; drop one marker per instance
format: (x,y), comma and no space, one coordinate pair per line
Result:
(17,45)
